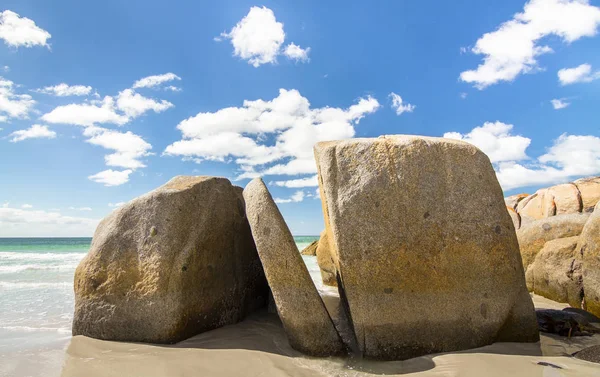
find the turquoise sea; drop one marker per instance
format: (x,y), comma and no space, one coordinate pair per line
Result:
(36,289)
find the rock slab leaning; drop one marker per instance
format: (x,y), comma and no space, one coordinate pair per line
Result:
(306,321)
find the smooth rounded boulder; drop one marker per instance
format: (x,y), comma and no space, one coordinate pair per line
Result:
(307,323)
(533,236)
(325,261)
(589,248)
(589,189)
(423,245)
(556,272)
(170,264)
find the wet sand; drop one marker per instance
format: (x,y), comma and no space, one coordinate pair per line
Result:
(258,347)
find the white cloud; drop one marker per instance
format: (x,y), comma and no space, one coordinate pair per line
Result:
(399,106)
(297,197)
(262,133)
(560,103)
(579,74)
(111,177)
(495,140)
(569,157)
(258,38)
(13,105)
(514,47)
(302,182)
(21,31)
(80,208)
(24,222)
(115,205)
(173,88)
(156,80)
(34,132)
(134,104)
(129,148)
(26,206)
(295,52)
(65,90)
(463,95)
(87,114)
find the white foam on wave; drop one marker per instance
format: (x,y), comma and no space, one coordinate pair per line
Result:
(34,267)
(49,257)
(33,285)
(61,330)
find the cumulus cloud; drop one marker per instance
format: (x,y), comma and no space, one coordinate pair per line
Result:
(302,182)
(495,140)
(258,38)
(65,90)
(80,208)
(298,196)
(87,114)
(134,104)
(25,222)
(34,132)
(26,206)
(399,106)
(273,137)
(569,157)
(129,148)
(13,105)
(21,31)
(560,103)
(116,205)
(111,177)
(155,80)
(297,53)
(514,47)
(580,74)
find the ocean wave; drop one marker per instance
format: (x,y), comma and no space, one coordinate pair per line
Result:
(62,330)
(17,256)
(36,267)
(33,285)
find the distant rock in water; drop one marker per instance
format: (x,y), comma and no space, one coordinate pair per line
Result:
(425,252)
(301,310)
(173,263)
(310,250)
(325,261)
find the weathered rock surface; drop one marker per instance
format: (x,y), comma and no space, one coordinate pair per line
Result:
(301,310)
(562,199)
(556,272)
(564,323)
(589,189)
(515,217)
(325,261)
(423,244)
(533,206)
(310,250)
(513,200)
(591,354)
(175,262)
(534,235)
(589,248)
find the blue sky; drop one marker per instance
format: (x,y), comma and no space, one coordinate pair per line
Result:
(92,95)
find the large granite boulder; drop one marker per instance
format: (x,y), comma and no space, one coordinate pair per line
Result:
(534,235)
(556,272)
(424,248)
(562,199)
(513,200)
(325,260)
(589,248)
(311,249)
(175,262)
(589,189)
(301,310)
(514,216)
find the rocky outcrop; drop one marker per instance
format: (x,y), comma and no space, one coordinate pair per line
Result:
(589,249)
(423,246)
(534,235)
(556,272)
(325,261)
(301,310)
(514,216)
(175,262)
(310,250)
(568,198)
